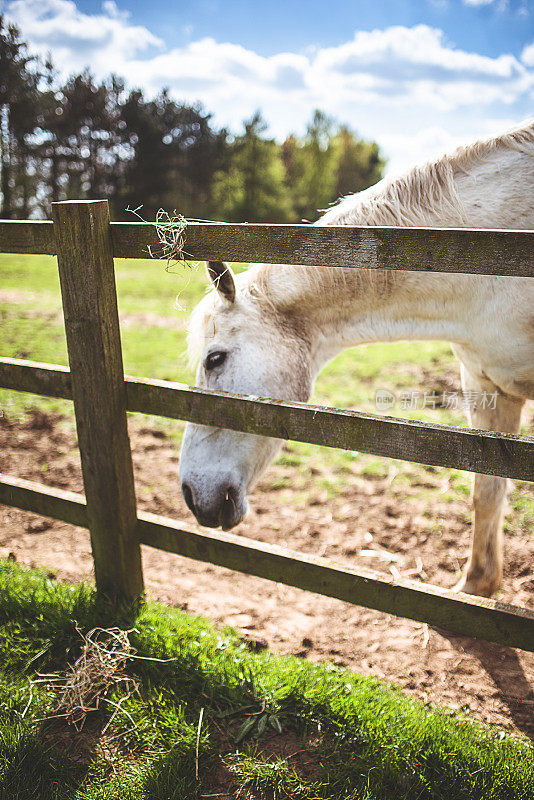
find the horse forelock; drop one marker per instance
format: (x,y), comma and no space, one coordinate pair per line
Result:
(211,315)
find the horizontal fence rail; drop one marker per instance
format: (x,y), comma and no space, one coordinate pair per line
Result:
(86,243)
(464,250)
(461,614)
(425,443)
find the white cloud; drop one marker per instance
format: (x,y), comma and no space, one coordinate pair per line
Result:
(527,56)
(76,39)
(391,68)
(406,87)
(433,140)
(416,64)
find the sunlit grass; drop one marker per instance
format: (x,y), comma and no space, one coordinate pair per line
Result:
(362,739)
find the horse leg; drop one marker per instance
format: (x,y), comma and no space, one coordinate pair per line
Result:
(483,573)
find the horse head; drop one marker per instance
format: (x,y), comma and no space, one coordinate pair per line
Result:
(244,344)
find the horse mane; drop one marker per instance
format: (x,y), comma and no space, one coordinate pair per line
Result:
(425,195)
(427,190)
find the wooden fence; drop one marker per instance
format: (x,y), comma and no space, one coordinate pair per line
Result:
(85,242)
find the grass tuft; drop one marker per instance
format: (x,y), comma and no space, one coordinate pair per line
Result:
(272,727)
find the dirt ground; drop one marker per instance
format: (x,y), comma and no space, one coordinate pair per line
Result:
(370,522)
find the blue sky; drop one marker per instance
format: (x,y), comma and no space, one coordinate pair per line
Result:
(269,27)
(419,76)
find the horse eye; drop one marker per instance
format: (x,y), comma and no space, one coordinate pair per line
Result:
(215,360)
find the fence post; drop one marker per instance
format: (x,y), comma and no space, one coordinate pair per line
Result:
(86,270)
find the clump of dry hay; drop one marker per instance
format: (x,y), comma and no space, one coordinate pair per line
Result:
(99,668)
(170,230)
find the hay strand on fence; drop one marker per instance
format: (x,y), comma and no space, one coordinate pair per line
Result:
(170,231)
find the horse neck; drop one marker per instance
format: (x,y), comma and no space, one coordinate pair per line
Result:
(397,306)
(358,306)
(336,308)
(346,307)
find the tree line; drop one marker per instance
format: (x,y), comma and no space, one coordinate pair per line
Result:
(88,139)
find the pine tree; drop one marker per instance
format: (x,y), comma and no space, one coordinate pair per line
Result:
(358,163)
(252,188)
(18,120)
(329,162)
(173,153)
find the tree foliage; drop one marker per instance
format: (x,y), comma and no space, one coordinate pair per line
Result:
(88,139)
(18,111)
(328,162)
(252,183)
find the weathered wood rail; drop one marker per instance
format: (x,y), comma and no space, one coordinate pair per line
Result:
(485,252)
(488,452)
(490,619)
(86,243)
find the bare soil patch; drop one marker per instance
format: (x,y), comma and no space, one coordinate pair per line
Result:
(371,522)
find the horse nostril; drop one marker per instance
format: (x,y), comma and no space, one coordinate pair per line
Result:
(227,511)
(188,497)
(230,496)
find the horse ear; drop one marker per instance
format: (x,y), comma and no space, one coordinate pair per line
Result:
(222,278)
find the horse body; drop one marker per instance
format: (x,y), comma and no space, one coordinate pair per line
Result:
(269,331)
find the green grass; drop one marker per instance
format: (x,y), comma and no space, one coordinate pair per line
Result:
(31,327)
(361,739)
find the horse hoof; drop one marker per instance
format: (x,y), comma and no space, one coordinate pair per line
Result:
(482,587)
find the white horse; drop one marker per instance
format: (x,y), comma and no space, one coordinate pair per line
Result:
(270,330)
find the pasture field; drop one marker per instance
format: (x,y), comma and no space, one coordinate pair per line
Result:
(154,305)
(392,516)
(212,717)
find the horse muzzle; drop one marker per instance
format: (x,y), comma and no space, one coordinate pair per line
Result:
(224,506)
